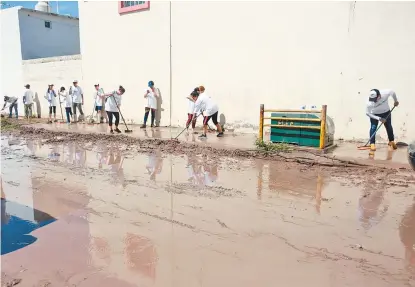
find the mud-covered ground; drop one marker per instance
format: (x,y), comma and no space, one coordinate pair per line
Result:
(111,210)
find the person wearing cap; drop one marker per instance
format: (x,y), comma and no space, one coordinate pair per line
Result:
(151,95)
(378,111)
(99,103)
(50,96)
(28,101)
(77,100)
(12,101)
(66,99)
(210,110)
(191,107)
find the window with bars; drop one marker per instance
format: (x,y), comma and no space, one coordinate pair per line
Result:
(131,6)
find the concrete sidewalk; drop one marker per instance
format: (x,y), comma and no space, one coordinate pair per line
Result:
(344,150)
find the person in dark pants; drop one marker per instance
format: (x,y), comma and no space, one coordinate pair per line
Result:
(13,105)
(378,111)
(112,105)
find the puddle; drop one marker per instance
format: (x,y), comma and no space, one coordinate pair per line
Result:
(17,222)
(163,220)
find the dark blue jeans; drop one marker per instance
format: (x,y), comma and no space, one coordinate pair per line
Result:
(68,114)
(388,125)
(15,110)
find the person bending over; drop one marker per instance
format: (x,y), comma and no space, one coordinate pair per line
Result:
(378,111)
(112,106)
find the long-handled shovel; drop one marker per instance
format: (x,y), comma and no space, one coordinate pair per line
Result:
(367,146)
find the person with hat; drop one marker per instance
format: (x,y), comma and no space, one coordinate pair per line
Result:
(28,101)
(210,110)
(50,96)
(99,103)
(77,100)
(151,95)
(378,111)
(12,101)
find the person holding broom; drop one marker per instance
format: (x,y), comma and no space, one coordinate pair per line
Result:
(112,106)
(191,118)
(378,110)
(210,110)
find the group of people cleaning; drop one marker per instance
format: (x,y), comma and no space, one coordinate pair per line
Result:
(200,103)
(74,100)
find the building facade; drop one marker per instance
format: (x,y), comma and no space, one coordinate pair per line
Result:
(281,54)
(30,34)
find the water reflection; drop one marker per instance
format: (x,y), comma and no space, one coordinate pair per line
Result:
(200,172)
(17,222)
(407,235)
(154,165)
(289,181)
(371,211)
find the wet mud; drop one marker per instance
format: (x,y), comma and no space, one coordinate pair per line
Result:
(99,210)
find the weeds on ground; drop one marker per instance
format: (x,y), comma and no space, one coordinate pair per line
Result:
(8,125)
(270,147)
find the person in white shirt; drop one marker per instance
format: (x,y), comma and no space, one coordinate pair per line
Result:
(12,101)
(66,99)
(77,100)
(50,96)
(377,109)
(209,108)
(191,107)
(112,105)
(99,103)
(151,95)
(28,101)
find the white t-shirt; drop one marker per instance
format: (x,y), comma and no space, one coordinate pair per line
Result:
(190,107)
(76,93)
(151,100)
(205,104)
(97,97)
(28,94)
(65,98)
(110,104)
(50,97)
(381,106)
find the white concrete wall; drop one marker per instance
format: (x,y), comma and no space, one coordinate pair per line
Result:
(10,62)
(60,71)
(41,42)
(281,54)
(127,50)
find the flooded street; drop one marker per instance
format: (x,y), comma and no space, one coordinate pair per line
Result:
(105,216)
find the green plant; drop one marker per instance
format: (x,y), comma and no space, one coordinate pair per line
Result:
(272,147)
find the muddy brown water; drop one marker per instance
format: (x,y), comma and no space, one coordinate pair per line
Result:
(81,214)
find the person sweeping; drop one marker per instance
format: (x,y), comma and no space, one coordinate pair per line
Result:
(190,109)
(151,95)
(112,105)
(378,111)
(210,110)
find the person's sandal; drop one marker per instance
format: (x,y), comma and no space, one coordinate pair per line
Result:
(117,130)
